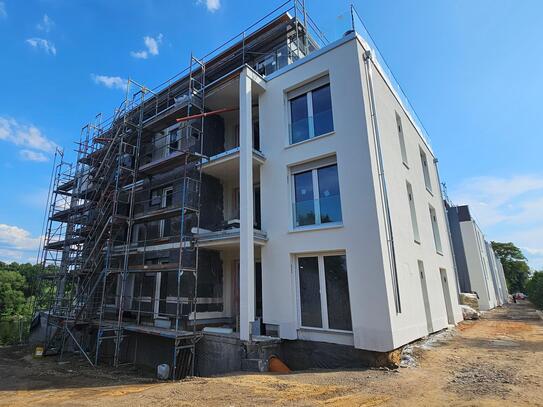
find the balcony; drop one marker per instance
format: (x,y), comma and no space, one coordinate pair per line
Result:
(227,238)
(225,166)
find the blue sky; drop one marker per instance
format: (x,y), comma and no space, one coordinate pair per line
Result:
(472,70)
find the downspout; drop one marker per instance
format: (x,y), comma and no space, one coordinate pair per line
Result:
(451,247)
(382,183)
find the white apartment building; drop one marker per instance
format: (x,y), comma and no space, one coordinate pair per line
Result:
(358,251)
(319,216)
(479,269)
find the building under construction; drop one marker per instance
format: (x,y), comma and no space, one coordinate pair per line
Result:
(216,219)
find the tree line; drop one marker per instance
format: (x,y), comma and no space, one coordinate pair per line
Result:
(19,285)
(519,277)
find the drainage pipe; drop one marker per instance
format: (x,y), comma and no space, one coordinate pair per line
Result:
(382,182)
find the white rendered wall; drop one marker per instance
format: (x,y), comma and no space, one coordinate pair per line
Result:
(501,275)
(376,325)
(411,323)
(359,236)
(477,261)
(495,277)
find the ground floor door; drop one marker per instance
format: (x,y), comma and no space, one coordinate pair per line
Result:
(447,295)
(425,298)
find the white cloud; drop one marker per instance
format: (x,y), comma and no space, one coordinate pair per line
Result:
(27,136)
(112,82)
(3,12)
(42,43)
(508,209)
(46,24)
(30,155)
(152,47)
(212,5)
(495,200)
(17,244)
(139,54)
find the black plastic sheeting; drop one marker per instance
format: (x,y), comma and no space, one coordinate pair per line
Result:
(302,355)
(213,135)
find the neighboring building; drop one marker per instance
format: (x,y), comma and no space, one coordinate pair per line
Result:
(495,272)
(479,270)
(304,205)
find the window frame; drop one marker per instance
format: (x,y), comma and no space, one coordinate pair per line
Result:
(163,205)
(316,195)
(322,291)
(308,93)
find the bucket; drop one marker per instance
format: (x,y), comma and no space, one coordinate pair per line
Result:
(38,352)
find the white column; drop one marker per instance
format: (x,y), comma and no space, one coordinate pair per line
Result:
(246,247)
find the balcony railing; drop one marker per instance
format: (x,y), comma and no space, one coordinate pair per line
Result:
(317,211)
(311,126)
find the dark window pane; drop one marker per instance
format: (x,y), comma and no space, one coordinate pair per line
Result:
(298,119)
(167,231)
(148,286)
(329,199)
(153,229)
(337,293)
(322,110)
(169,198)
(310,300)
(156,197)
(304,199)
(174,138)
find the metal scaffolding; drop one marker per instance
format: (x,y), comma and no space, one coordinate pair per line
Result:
(98,267)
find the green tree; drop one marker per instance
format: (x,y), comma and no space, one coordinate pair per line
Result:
(12,298)
(534,288)
(515,266)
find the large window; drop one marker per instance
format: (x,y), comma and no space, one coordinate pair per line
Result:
(324,292)
(311,114)
(316,196)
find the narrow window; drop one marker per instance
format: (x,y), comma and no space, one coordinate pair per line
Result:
(167,197)
(311,113)
(425,170)
(316,196)
(173,141)
(414,222)
(401,138)
(156,197)
(324,292)
(435,228)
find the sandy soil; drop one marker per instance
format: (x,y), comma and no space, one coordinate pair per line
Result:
(495,361)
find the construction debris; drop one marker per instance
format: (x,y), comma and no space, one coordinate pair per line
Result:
(470,300)
(469,313)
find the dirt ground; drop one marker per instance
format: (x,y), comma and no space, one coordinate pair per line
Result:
(497,360)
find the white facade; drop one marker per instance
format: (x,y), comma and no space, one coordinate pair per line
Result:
(478,264)
(388,225)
